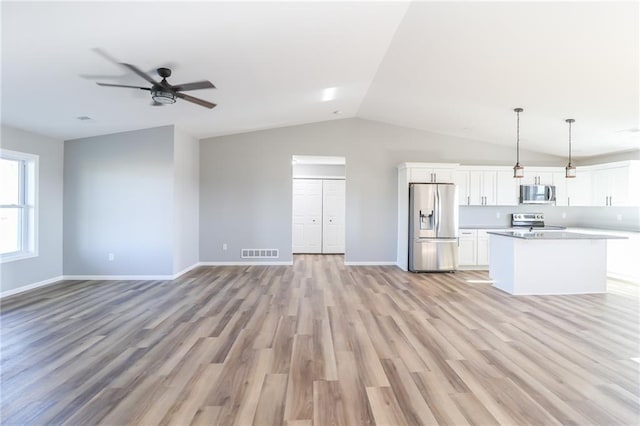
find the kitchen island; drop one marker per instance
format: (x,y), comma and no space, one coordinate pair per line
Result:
(548,262)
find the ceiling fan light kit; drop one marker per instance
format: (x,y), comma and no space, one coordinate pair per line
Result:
(163,97)
(518,170)
(164,93)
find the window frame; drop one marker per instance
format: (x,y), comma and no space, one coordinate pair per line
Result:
(28,198)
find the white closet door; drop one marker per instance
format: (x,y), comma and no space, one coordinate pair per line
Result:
(333,216)
(307,216)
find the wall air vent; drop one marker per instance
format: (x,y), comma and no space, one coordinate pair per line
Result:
(260,254)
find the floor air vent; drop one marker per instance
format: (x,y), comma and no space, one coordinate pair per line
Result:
(260,253)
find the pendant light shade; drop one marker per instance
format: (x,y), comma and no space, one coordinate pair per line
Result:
(570,170)
(518,170)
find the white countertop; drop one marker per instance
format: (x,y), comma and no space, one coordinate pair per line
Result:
(554,235)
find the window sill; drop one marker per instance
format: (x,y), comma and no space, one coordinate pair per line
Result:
(17,256)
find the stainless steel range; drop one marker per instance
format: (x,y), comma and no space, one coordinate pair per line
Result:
(531,221)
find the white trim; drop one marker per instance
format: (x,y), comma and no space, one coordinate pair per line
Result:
(31,286)
(381,263)
(246,263)
(185,270)
(119,277)
(320,177)
(18,255)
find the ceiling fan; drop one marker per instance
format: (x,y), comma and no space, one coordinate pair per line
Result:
(164,93)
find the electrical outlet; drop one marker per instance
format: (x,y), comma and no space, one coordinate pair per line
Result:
(497,215)
(619,216)
(111,257)
(224,246)
(564,215)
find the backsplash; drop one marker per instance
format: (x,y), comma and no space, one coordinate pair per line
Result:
(620,218)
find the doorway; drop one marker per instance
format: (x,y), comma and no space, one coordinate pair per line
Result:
(318,204)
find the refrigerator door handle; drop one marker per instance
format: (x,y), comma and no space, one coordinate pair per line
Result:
(438,212)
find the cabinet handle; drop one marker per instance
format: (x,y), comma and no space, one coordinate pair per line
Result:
(568,201)
(468,200)
(610,200)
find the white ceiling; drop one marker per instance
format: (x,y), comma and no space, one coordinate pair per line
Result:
(456,68)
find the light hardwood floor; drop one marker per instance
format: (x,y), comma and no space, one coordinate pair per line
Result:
(317,343)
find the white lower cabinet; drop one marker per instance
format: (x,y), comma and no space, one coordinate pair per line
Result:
(482,248)
(467,247)
(473,250)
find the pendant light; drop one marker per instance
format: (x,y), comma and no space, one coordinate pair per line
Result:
(518,170)
(570,170)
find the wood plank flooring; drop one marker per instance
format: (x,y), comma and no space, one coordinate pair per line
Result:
(317,343)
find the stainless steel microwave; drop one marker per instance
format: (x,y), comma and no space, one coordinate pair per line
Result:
(537,194)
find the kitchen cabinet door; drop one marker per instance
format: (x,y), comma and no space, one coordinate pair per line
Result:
(333,196)
(533,176)
(507,188)
(461,179)
(467,247)
(482,251)
(579,189)
(475,188)
(443,175)
(489,188)
(611,186)
(431,175)
(307,216)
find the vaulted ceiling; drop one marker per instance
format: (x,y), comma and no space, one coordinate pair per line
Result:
(456,68)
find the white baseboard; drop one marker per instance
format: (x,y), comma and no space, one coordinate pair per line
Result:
(246,263)
(371,263)
(119,277)
(31,286)
(185,270)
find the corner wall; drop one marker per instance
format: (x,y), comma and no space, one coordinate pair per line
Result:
(186,175)
(118,198)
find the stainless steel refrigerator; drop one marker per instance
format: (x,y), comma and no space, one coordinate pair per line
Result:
(433,227)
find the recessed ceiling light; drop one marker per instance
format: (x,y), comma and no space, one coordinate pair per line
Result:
(84,118)
(328,94)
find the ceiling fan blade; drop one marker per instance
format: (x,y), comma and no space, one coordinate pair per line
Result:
(194,86)
(122,85)
(139,72)
(197,101)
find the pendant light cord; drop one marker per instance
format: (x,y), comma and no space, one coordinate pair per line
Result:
(518,139)
(569,142)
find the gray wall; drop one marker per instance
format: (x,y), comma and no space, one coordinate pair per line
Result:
(48,263)
(186,169)
(245,182)
(118,198)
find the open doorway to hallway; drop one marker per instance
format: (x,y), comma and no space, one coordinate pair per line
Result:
(318,201)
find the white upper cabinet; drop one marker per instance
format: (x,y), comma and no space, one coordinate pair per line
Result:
(482,187)
(485,186)
(461,179)
(431,172)
(507,188)
(616,184)
(537,176)
(579,188)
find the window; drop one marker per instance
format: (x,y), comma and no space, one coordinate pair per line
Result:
(18,208)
